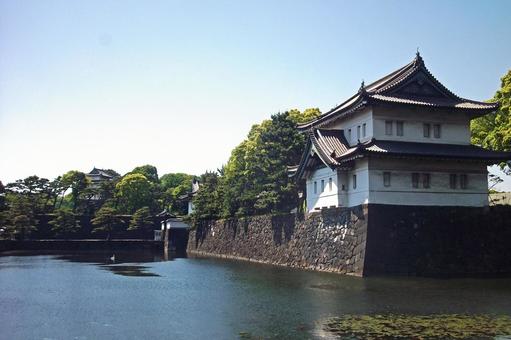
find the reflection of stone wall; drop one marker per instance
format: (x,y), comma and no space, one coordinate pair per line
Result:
(331,240)
(370,240)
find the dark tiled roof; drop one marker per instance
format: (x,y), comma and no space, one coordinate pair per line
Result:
(329,144)
(412,84)
(104,173)
(452,151)
(333,150)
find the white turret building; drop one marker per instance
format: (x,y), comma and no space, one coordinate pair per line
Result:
(402,140)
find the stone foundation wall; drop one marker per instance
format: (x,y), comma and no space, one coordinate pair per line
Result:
(370,240)
(438,241)
(331,240)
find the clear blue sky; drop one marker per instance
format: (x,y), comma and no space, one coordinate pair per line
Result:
(177,84)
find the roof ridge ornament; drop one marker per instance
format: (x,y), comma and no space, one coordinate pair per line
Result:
(362,89)
(418,59)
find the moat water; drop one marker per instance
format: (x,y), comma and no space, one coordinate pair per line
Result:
(141,296)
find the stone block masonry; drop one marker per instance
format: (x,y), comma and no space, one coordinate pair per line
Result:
(331,240)
(369,240)
(439,241)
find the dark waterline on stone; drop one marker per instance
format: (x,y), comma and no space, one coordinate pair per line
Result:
(140,295)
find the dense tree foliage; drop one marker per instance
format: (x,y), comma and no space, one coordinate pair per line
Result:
(142,220)
(65,223)
(255,179)
(107,220)
(149,171)
(133,192)
(209,199)
(72,195)
(19,220)
(494,130)
(173,186)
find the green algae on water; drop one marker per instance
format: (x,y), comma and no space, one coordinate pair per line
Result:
(439,326)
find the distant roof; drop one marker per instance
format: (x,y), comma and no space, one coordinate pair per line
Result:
(104,172)
(412,84)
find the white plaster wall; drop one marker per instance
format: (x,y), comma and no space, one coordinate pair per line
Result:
(455,127)
(352,122)
(190,207)
(327,197)
(439,193)
(360,195)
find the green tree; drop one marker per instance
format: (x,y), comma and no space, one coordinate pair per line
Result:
(107,221)
(173,186)
(208,201)
(19,219)
(65,223)
(76,181)
(305,116)
(149,171)
(38,192)
(134,191)
(494,130)
(2,197)
(256,179)
(142,220)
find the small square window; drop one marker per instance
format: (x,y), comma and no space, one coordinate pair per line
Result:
(315,187)
(452,181)
(388,127)
(436,130)
(330,184)
(399,128)
(386,179)
(426,180)
(364,132)
(427,130)
(415,180)
(463,181)
(322,185)
(354,181)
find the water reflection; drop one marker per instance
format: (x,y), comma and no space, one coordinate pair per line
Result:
(129,270)
(140,295)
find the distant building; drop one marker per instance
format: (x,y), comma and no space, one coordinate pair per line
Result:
(189,196)
(402,140)
(99,176)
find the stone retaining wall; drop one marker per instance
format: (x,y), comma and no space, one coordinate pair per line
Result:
(332,240)
(369,240)
(439,241)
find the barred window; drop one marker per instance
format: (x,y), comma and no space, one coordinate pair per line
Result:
(315,187)
(388,127)
(399,128)
(322,185)
(386,179)
(427,130)
(452,181)
(364,132)
(415,180)
(436,130)
(463,181)
(354,181)
(426,180)
(330,184)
